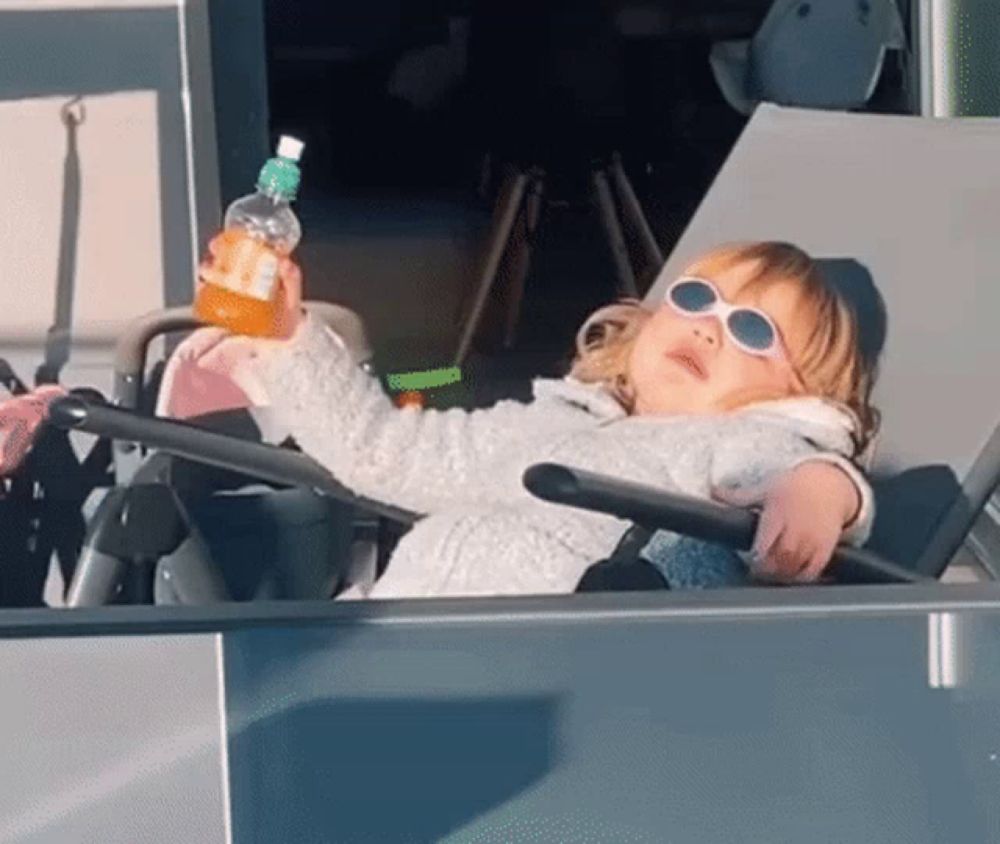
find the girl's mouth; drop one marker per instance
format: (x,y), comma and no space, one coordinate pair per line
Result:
(691,362)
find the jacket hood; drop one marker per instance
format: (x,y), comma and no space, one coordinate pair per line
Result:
(825,423)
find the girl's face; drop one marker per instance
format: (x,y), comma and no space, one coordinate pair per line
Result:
(689,364)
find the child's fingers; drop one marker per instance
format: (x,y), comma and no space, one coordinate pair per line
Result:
(773,562)
(200,342)
(291,285)
(824,553)
(787,555)
(290,274)
(291,298)
(769,530)
(207,265)
(220,359)
(215,246)
(816,564)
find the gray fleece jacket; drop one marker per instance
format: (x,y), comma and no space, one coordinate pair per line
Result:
(484,534)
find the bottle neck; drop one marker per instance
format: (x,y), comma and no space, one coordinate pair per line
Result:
(275,196)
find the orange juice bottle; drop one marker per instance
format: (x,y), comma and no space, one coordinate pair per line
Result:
(239,289)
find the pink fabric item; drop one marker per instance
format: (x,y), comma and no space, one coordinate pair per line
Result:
(20,420)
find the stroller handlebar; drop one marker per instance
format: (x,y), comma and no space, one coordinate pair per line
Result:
(257,460)
(130,351)
(658,510)
(644,505)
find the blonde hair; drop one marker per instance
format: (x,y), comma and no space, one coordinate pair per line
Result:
(830,365)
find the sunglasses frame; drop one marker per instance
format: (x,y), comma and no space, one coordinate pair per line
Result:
(722,310)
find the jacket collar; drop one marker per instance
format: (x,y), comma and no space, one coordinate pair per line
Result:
(828,424)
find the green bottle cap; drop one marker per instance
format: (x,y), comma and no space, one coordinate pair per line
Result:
(280,176)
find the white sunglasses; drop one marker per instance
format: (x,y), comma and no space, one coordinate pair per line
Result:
(750,329)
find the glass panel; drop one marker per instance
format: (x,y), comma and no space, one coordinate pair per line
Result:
(963,65)
(112,739)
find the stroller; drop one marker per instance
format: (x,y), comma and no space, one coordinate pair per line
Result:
(935,468)
(293,540)
(254,541)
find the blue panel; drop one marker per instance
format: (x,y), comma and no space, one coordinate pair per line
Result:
(617,729)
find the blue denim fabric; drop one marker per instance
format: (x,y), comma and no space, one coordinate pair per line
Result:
(688,563)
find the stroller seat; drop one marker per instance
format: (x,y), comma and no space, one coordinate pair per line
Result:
(273,544)
(177,531)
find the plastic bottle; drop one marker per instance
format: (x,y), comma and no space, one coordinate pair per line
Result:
(239,290)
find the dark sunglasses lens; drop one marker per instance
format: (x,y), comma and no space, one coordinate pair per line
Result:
(752,330)
(693,296)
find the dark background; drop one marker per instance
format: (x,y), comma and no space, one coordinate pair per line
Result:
(549,82)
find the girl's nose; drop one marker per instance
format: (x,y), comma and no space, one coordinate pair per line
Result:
(708,330)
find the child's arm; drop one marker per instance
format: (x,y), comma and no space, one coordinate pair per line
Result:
(806,513)
(419,460)
(848,487)
(808,507)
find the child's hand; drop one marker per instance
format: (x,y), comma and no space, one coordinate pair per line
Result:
(803,518)
(20,420)
(199,378)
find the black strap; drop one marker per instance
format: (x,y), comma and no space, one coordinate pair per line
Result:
(59,337)
(624,570)
(628,548)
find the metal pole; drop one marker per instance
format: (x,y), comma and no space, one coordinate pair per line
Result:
(522,257)
(633,209)
(507,211)
(935,48)
(613,231)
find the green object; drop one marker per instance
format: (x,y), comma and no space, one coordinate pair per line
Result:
(429,379)
(959,64)
(974,59)
(280,177)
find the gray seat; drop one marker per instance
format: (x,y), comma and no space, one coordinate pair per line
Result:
(810,53)
(912,201)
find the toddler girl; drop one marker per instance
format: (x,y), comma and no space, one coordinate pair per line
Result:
(746,383)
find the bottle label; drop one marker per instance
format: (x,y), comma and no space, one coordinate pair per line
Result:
(246,266)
